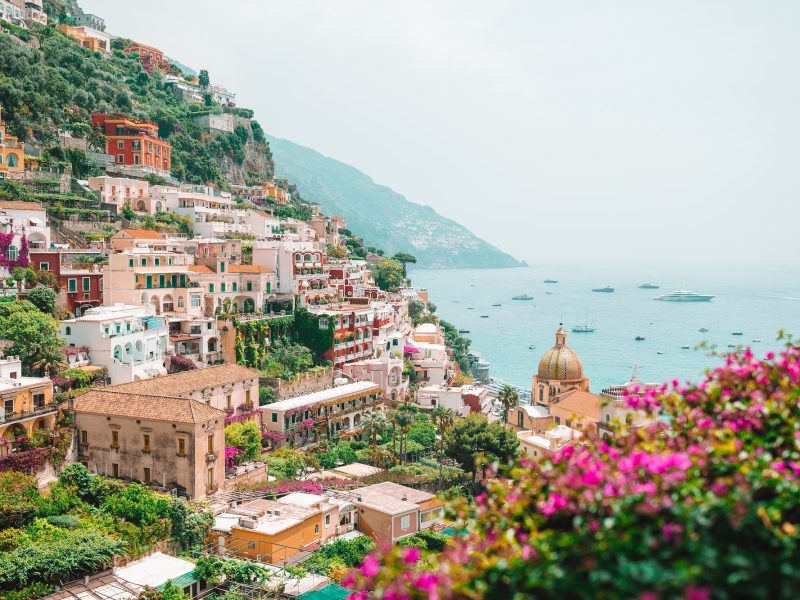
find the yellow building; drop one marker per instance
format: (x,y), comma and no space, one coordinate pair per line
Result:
(12,152)
(95,41)
(26,403)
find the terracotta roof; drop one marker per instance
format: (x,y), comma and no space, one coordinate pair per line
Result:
(429,504)
(143,234)
(584,404)
(200,269)
(179,384)
(248,269)
(20,205)
(150,407)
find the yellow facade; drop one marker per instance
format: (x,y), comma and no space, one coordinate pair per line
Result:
(275,548)
(12,152)
(25,410)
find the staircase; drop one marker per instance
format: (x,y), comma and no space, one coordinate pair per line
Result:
(64,235)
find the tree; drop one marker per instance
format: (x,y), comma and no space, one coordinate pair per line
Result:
(33,334)
(389,275)
(203,79)
(443,418)
(189,527)
(43,298)
(127,211)
(50,361)
(405,258)
(509,398)
(403,419)
(246,437)
(474,442)
(47,279)
(172,592)
(375,425)
(23,275)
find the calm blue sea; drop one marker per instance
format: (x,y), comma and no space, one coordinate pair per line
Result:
(756,303)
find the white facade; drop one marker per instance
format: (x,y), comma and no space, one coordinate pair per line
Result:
(121,190)
(299,266)
(24,218)
(129,341)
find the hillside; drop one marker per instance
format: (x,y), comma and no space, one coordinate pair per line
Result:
(380,215)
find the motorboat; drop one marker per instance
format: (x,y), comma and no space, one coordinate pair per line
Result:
(551,281)
(659,352)
(463,331)
(639,338)
(470,308)
(583,329)
(484,316)
(704,330)
(549,293)
(523,297)
(648,286)
(532,347)
(737,333)
(606,290)
(756,341)
(684,347)
(685,296)
(497,305)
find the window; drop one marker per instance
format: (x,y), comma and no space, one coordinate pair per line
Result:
(405,522)
(84,437)
(181,447)
(196,301)
(316,529)
(130,263)
(247,396)
(234,286)
(120,145)
(68,331)
(87,284)
(274,417)
(221,287)
(146,478)
(180,301)
(249,286)
(144,262)
(146,442)
(44,266)
(327,520)
(229,401)
(157,262)
(115,440)
(211,444)
(210,478)
(558,420)
(222,267)
(12,252)
(114,470)
(120,158)
(210,288)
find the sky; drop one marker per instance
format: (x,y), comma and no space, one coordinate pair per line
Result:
(615,132)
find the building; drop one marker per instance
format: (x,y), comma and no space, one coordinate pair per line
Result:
(119,191)
(461,400)
(12,152)
(386,372)
(221,95)
(80,288)
(536,444)
(134,143)
(90,21)
(275,531)
(614,410)
(175,443)
(388,512)
(28,222)
(211,122)
(576,408)
(228,388)
(335,412)
(532,417)
(13,13)
(150,57)
(32,11)
(352,330)
(27,403)
(560,370)
(91,39)
(300,267)
(431,362)
(128,340)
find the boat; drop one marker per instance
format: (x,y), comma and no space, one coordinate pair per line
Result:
(731,345)
(639,338)
(703,330)
(684,347)
(463,331)
(606,290)
(659,352)
(551,281)
(497,305)
(756,341)
(523,297)
(549,293)
(648,286)
(583,329)
(737,333)
(532,347)
(684,296)
(470,308)
(484,316)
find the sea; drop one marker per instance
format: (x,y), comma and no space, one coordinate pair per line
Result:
(515,335)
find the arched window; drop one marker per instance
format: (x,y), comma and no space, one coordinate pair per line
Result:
(13,251)
(118,352)
(12,160)
(519,418)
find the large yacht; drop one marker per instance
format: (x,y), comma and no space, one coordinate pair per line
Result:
(685,296)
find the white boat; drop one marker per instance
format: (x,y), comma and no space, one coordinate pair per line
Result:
(583,329)
(685,296)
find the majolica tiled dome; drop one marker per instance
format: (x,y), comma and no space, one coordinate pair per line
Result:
(561,363)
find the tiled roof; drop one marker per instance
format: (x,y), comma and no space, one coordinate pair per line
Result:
(149,407)
(248,269)
(187,382)
(143,234)
(20,205)
(584,404)
(200,269)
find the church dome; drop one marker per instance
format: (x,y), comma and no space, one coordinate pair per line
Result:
(561,363)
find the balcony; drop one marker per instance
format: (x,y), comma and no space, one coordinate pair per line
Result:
(6,417)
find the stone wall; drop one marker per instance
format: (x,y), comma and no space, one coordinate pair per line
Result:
(306,383)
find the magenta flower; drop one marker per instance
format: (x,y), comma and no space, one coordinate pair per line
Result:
(411,555)
(370,567)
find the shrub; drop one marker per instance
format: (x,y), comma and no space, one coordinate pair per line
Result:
(137,504)
(64,521)
(43,298)
(245,437)
(19,499)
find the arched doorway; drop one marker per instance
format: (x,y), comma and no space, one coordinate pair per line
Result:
(249,305)
(141,206)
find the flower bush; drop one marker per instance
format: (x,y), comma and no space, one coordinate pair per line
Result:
(702,501)
(231,457)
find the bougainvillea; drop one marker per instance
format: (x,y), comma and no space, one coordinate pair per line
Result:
(27,461)
(6,239)
(232,457)
(702,501)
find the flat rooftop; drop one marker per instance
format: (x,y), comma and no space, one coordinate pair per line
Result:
(359,387)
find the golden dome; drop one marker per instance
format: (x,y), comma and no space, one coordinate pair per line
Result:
(561,363)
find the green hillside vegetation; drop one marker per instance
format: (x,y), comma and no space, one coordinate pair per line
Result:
(61,84)
(382,216)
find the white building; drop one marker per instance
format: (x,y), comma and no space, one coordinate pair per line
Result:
(122,190)
(28,219)
(129,341)
(298,266)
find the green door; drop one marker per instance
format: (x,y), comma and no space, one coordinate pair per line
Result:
(149,281)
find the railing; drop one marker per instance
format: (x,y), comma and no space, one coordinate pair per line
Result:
(18,416)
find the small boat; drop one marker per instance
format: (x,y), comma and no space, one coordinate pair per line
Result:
(484,316)
(756,341)
(470,308)
(463,331)
(684,296)
(551,281)
(583,329)
(731,345)
(659,352)
(497,305)
(648,286)
(532,347)
(703,330)
(639,338)
(523,297)
(737,333)
(549,293)
(684,347)
(455,300)
(606,290)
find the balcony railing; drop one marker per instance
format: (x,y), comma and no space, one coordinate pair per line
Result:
(27,414)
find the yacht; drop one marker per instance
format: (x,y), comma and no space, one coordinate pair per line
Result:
(684,347)
(484,316)
(648,286)
(463,331)
(607,290)
(639,338)
(497,305)
(523,297)
(551,281)
(583,329)
(737,333)
(704,330)
(684,296)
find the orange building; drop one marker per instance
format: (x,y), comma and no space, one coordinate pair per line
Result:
(12,152)
(90,39)
(27,403)
(134,143)
(149,56)
(274,192)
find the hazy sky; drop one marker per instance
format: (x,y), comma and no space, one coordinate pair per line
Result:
(624,131)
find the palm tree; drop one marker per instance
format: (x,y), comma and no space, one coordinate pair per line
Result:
(404,420)
(374,424)
(50,361)
(391,417)
(443,418)
(509,398)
